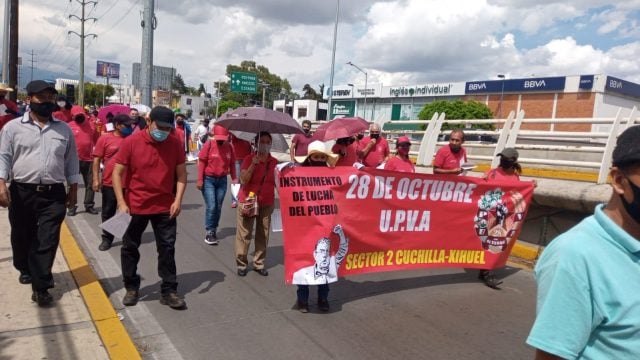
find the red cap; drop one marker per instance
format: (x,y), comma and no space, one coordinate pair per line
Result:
(403,140)
(220,133)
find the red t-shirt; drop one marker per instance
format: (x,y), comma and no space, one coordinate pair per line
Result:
(266,190)
(499,174)
(448,160)
(6,104)
(398,164)
(179,133)
(376,156)
(85,137)
(241,148)
(302,141)
(63,114)
(216,160)
(151,172)
(348,154)
(106,148)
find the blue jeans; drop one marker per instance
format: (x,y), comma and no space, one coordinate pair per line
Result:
(214,190)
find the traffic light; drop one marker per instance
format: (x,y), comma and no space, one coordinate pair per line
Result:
(71,93)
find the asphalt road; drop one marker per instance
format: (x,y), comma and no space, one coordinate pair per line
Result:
(427,314)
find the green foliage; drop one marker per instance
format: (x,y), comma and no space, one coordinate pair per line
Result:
(94,95)
(309,92)
(179,85)
(226,105)
(457,110)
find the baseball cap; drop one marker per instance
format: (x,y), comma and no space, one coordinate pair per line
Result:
(403,140)
(162,116)
(37,86)
(627,151)
(509,153)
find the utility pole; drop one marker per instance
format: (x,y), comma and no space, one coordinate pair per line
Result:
(333,60)
(149,23)
(82,35)
(13,49)
(5,42)
(32,62)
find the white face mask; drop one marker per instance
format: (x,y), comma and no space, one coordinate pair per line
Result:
(61,103)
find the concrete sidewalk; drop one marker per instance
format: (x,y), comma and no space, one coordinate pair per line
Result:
(81,324)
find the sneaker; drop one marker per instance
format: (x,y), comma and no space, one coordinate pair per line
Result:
(130,298)
(323,305)
(72,211)
(234,204)
(42,297)
(489,279)
(91,210)
(303,307)
(24,278)
(173,300)
(210,238)
(104,245)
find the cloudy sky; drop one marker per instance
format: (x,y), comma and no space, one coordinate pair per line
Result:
(398,42)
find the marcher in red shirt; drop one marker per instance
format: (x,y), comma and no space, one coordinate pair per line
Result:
(241,149)
(64,109)
(401,161)
(216,160)
(347,149)
(449,159)
(300,142)
(104,152)
(257,177)
(85,136)
(154,161)
(373,149)
(8,109)
(508,170)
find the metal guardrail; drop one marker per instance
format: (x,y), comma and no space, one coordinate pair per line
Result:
(509,133)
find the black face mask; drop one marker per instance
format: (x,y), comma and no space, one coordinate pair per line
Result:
(306,131)
(375,136)
(317,163)
(342,141)
(79,119)
(43,109)
(360,136)
(633,208)
(220,142)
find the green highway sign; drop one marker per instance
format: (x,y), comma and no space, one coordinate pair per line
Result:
(244,82)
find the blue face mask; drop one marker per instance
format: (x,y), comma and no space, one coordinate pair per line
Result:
(159,135)
(126,131)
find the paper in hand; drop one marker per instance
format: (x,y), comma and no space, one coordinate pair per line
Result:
(117,225)
(235,189)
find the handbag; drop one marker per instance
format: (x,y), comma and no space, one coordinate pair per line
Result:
(249,208)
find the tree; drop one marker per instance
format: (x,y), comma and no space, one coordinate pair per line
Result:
(226,105)
(457,110)
(95,94)
(201,89)
(308,92)
(179,85)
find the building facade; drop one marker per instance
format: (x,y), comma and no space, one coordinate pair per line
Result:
(580,96)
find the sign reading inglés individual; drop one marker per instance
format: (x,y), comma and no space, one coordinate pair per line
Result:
(244,82)
(108,69)
(374,220)
(421,90)
(342,109)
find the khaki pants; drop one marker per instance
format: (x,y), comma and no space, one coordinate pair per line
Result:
(244,232)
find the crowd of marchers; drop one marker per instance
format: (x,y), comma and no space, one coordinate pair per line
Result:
(137,162)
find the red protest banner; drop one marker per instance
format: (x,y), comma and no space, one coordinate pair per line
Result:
(344,221)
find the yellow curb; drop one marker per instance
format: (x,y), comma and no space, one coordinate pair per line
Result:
(525,251)
(114,336)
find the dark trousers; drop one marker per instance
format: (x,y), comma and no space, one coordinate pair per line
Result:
(303,292)
(87,176)
(109,206)
(35,215)
(164,229)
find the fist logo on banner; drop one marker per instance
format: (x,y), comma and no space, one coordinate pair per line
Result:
(498,218)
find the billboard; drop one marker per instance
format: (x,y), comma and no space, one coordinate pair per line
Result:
(108,70)
(622,87)
(516,85)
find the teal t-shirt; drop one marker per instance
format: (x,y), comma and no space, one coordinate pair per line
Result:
(589,293)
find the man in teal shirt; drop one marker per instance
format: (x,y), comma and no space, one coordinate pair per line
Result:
(589,277)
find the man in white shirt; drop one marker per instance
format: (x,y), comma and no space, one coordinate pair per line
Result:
(201,130)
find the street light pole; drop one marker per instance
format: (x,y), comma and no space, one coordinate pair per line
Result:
(501,76)
(364,108)
(333,60)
